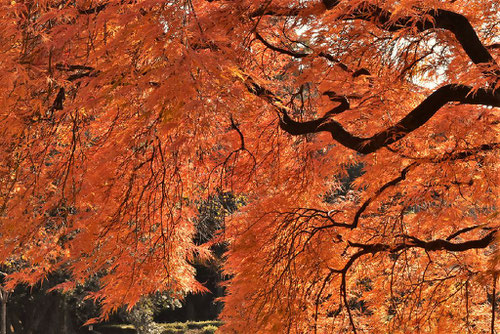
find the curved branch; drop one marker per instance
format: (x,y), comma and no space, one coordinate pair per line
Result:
(278,49)
(235,126)
(412,121)
(342,99)
(93,10)
(303,55)
(456,23)
(389,184)
(433,245)
(415,119)
(402,176)
(465,230)
(441,244)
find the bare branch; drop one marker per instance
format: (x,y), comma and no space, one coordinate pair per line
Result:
(412,121)
(93,10)
(299,55)
(458,24)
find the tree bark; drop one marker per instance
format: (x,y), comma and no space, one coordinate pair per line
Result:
(493,303)
(3,297)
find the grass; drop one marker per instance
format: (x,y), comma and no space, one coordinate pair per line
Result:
(190,327)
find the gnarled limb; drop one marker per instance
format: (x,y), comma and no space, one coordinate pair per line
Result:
(415,119)
(434,245)
(441,244)
(458,24)
(412,121)
(413,242)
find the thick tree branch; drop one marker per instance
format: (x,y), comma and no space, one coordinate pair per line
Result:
(343,106)
(413,242)
(59,100)
(441,244)
(434,245)
(458,24)
(415,119)
(235,126)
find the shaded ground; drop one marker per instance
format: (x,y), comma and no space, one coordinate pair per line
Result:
(190,327)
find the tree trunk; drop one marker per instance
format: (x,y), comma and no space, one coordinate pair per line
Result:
(3,322)
(64,315)
(219,293)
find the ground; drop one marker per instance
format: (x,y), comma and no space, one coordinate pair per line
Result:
(190,327)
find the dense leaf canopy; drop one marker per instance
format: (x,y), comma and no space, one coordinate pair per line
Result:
(119,116)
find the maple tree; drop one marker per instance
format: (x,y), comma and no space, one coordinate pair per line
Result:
(118,116)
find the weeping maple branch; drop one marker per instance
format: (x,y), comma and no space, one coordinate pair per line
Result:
(410,242)
(343,292)
(93,10)
(441,244)
(465,230)
(412,121)
(395,181)
(281,50)
(449,156)
(413,242)
(303,55)
(457,24)
(80,71)
(264,10)
(235,126)
(389,184)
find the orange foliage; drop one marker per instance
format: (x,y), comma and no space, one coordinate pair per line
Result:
(117,116)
